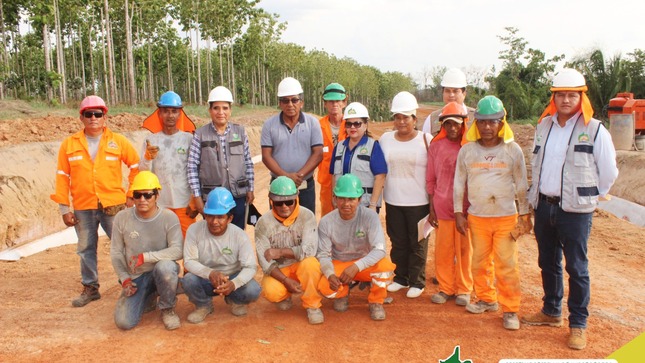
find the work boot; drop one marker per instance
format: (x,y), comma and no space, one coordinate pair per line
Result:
(541,318)
(341,304)
(462,299)
(285,304)
(577,338)
(170,319)
(315,316)
(238,309)
(440,297)
(377,312)
(511,322)
(89,294)
(199,314)
(481,307)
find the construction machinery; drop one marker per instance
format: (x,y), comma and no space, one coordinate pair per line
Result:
(625,104)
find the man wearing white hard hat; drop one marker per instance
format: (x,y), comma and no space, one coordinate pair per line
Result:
(453,89)
(89,170)
(292,142)
(574,165)
(220,156)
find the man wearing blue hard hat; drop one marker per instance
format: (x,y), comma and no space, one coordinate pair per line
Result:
(165,153)
(220,260)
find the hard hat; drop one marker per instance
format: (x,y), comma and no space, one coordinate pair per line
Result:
(454,78)
(334,92)
(289,87)
(356,110)
(453,111)
(490,108)
(220,93)
(93,102)
(568,78)
(145,180)
(283,188)
(170,99)
(219,202)
(348,186)
(405,103)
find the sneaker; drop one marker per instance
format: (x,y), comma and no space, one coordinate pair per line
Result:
(341,304)
(285,304)
(511,322)
(577,338)
(541,318)
(199,314)
(440,297)
(315,316)
(89,294)
(414,292)
(395,286)
(238,309)
(377,312)
(462,299)
(481,307)
(170,319)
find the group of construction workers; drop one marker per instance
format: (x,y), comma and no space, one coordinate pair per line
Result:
(462,174)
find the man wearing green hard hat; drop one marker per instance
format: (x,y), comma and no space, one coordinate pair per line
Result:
(351,247)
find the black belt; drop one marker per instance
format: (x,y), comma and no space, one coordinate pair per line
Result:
(368,190)
(549,199)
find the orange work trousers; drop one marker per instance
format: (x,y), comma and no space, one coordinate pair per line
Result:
(307,272)
(326,205)
(453,255)
(184,220)
(380,275)
(495,261)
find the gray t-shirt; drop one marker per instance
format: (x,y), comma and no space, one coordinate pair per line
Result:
(291,148)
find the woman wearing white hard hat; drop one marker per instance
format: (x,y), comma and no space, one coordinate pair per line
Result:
(360,155)
(406,200)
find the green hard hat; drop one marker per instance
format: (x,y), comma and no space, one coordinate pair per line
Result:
(348,186)
(490,108)
(334,92)
(283,188)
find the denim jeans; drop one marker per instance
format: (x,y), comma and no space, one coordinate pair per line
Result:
(162,281)
(558,232)
(408,253)
(200,291)
(238,212)
(88,237)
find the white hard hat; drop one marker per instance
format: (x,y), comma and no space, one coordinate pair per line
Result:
(405,103)
(356,110)
(220,93)
(289,87)
(568,78)
(454,78)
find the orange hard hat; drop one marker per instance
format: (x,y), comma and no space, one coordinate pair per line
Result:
(453,110)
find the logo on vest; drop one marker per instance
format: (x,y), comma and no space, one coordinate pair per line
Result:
(112,145)
(236,137)
(360,234)
(134,235)
(583,137)
(363,151)
(227,251)
(181,150)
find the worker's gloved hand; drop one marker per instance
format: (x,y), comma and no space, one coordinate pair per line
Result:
(129,287)
(136,261)
(151,151)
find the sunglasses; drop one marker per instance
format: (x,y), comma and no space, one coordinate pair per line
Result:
(147,195)
(288,203)
(89,114)
(285,101)
(356,124)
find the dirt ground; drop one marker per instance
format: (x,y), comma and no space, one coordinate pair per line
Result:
(40,325)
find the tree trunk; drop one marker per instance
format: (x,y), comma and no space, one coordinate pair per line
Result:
(91,51)
(188,86)
(80,44)
(209,67)
(199,60)
(151,91)
(3,55)
(48,63)
(106,81)
(110,54)
(171,86)
(132,88)
(60,55)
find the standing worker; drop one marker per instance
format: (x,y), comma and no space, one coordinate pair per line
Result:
(89,169)
(453,89)
(292,142)
(492,172)
(333,130)
(220,156)
(165,153)
(573,165)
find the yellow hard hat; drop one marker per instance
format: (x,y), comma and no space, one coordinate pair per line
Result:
(145,180)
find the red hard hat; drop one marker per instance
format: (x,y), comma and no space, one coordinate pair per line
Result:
(93,102)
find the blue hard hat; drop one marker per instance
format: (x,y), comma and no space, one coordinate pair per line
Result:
(170,99)
(219,202)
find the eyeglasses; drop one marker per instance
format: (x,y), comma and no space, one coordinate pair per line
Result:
(285,101)
(288,203)
(356,124)
(89,114)
(147,195)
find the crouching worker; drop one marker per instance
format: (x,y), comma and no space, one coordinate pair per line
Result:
(351,247)
(146,242)
(286,242)
(220,260)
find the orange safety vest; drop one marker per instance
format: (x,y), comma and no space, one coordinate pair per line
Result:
(324,178)
(92,181)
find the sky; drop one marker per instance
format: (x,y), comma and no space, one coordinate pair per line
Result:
(412,36)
